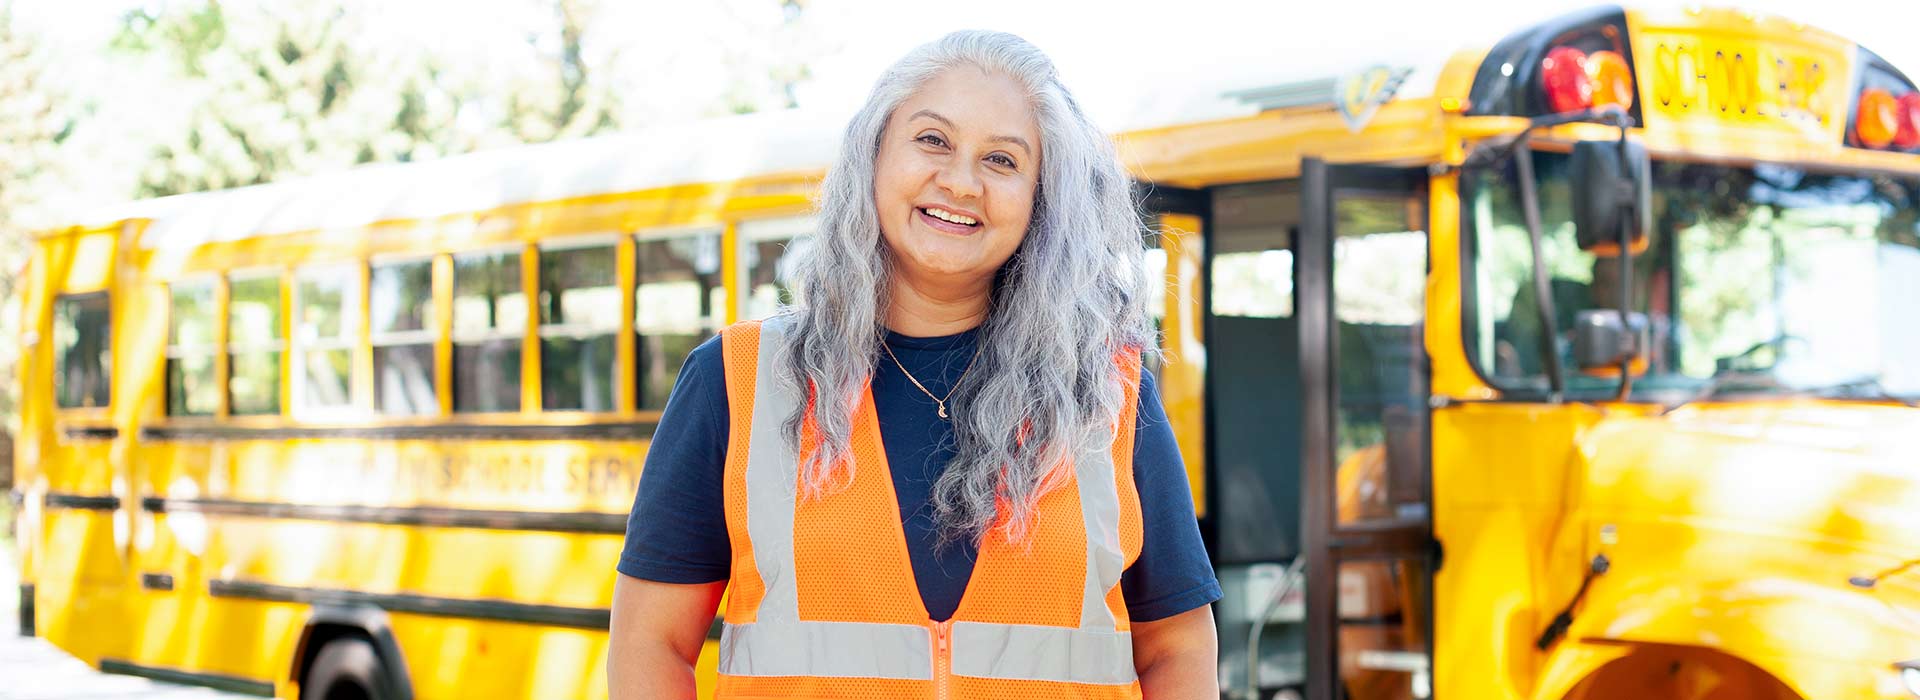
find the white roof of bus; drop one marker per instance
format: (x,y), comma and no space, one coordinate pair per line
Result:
(703,151)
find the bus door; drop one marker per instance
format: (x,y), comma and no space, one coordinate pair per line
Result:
(1361,262)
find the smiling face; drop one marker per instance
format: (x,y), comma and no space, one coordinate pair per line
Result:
(954,179)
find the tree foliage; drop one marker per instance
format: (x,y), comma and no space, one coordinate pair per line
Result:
(32,127)
(190,95)
(297,91)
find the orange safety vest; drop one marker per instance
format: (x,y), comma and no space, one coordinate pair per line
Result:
(823,602)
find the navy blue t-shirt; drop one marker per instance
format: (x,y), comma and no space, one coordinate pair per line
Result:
(677,532)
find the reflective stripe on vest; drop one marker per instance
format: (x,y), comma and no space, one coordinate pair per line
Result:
(779,643)
(827,649)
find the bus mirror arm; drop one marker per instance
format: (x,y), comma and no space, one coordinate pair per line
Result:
(1630,197)
(1611,115)
(1542,289)
(1530,211)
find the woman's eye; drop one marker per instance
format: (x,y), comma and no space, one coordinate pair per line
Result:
(1001,160)
(931,140)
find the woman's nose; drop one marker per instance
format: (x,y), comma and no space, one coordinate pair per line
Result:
(959,179)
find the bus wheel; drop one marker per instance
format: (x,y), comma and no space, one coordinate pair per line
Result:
(347,668)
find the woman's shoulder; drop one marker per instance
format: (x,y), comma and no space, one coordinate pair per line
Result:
(699,393)
(707,361)
(706,364)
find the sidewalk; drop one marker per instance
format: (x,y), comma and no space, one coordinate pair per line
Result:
(32,669)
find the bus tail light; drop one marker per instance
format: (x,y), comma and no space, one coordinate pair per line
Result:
(1575,80)
(1907,135)
(1564,75)
(1878,119)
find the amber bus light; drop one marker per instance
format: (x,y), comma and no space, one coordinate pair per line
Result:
(1878,119)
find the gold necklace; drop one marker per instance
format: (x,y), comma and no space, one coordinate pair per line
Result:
(937,400)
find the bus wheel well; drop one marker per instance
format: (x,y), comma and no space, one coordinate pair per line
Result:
(329,623)
(1680,672)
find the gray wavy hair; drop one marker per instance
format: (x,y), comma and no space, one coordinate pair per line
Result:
(1045,385)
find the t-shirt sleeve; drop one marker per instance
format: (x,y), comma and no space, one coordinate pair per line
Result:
(677,531)
(1172,574)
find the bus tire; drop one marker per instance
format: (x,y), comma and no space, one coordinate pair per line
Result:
(347,668)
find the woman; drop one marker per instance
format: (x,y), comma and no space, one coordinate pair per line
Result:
(942,474)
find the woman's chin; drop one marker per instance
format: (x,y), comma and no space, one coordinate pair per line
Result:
(949,267)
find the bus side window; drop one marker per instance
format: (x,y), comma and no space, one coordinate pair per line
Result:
(254,344)
(1379,293)
(489,323)
(403,333)
(579,318)
(768,249)
(82,336)
(675,291)
(326,303)
(1254,403)
(191,389)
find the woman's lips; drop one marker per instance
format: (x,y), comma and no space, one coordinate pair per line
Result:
(945,226)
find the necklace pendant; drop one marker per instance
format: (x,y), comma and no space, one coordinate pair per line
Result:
(943,410)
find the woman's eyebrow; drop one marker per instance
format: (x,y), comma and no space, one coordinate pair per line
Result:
(930,114)
(1015,140)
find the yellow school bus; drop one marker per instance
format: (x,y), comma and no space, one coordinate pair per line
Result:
(1580,364)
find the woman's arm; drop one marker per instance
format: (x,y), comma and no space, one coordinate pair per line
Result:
(657,631)
(1176,657)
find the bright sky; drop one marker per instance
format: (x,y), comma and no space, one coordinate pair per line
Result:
(1105,49)
(1108,52)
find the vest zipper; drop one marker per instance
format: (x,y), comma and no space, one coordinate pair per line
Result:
(942,658)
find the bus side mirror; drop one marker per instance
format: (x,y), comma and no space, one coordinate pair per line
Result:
(1601,342)
(1609,187)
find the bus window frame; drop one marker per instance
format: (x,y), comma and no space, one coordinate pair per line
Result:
(731,284)
(87,415)
(452,337)
(748,232)
(284,344)
(357,341)
(440,267)
(531,377)
(216,282)
(1468,234)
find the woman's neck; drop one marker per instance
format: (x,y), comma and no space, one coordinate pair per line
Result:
(919,309)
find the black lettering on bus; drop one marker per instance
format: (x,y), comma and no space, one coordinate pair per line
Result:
(1746,83)
(1814,81)
(576,474)
(1663,76)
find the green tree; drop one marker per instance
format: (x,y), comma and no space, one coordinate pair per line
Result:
(300,90)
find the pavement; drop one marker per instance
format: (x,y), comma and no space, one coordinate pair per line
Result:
(32,669)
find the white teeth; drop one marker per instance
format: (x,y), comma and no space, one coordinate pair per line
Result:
(945,215)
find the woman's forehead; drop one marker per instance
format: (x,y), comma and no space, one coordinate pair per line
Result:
(978,102)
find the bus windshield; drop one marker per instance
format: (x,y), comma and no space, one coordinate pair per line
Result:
(1757,280)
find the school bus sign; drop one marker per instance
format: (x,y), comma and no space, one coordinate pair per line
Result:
(1790,83)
